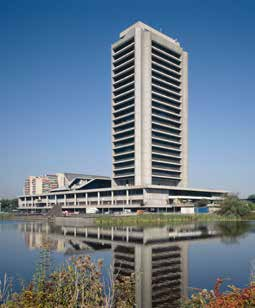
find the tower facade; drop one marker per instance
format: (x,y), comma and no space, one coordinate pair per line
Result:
(149,109)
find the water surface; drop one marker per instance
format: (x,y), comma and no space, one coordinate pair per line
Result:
(169,259)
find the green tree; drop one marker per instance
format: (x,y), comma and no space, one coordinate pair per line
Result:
(8,205)
(201,203)
(251,197)
(233,206)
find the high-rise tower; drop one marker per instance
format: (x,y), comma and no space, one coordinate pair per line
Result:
(149,109)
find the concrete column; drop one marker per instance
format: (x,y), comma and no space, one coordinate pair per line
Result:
(127,201)
(112,197)
(98,198)
(75,199)
(55,199)
(138,107)
(146,109)
(86,198)
(65,200)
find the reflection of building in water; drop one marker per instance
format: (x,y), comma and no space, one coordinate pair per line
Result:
(157,256)
(161,272)
(160,267)
(37,236)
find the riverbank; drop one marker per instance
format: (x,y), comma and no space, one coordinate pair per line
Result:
(14,217)
(158,219)
(127,220)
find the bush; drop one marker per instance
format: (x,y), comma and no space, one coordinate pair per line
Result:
(8,205)
(234,297)
(251,197)
(233,206)
(77,284)
(201,203)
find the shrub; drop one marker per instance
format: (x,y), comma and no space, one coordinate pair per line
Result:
(77,284)
(251,197)
(234,297)
(233,206)
(201,203)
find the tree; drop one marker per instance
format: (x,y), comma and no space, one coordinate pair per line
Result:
(233,206)
(252,197)
(201,203)
(8,205)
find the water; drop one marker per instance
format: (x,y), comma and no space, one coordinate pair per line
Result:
(170,259)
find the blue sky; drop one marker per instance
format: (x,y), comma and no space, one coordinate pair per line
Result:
(55,86)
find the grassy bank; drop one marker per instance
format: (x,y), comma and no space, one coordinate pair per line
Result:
(158,219)
(11,216)
(4,216)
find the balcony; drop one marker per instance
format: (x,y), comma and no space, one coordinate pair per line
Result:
(172,54)
(166,77)
(126,57)
(123,67)
(166,57)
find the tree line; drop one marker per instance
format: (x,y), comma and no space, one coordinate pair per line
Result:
(8,205)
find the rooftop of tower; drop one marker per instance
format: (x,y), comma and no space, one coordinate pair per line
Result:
(143,26)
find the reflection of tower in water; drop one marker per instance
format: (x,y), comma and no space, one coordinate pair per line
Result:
(157,256)
(160,272)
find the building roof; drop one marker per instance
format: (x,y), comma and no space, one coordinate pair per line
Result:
(71,176)
(140,24)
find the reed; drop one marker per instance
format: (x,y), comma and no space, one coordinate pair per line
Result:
(159,219)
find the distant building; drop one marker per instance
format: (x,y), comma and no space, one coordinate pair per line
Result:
(36,185)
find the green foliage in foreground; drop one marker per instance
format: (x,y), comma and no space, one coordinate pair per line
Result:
(233,298)
(77,284)
(158,219)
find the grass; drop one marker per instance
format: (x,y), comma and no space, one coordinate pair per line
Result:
(158,219)
(5,215)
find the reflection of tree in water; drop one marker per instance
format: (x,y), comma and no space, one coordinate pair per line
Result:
(232,231)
